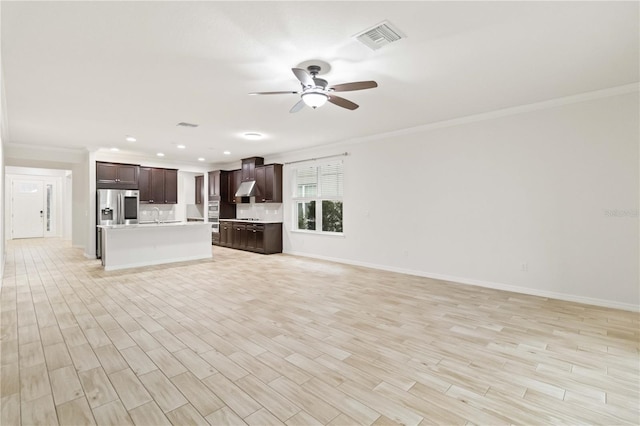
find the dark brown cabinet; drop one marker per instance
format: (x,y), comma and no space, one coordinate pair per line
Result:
(219,185)
(170,186)
(255,237)
(249,167)
(219,190)
(226,234)
(158,186)
(116,175)
(214,184)
(269,182)
(235,178)
(265,238)
(215,238)
(239,235)
(199,189)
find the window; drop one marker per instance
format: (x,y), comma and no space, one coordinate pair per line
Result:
(318,198)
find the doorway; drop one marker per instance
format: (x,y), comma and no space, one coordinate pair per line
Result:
(37,203)
(28,209)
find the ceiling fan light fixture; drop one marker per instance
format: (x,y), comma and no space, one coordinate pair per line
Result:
(314,99)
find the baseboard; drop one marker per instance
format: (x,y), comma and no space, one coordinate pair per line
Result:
(479,283)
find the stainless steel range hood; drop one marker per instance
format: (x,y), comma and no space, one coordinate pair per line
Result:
(247,189)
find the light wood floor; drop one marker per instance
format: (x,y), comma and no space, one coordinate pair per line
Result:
(279,339)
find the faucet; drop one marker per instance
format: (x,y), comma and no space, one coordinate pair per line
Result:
(157,210)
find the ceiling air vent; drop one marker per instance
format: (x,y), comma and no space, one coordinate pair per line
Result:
(380,35)
(183,124)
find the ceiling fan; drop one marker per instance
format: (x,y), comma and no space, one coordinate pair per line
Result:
(316,91)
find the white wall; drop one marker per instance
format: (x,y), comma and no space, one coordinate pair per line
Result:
(81,205)
(67,221)
(555,188)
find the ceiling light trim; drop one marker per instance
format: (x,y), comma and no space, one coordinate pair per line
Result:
(253,136)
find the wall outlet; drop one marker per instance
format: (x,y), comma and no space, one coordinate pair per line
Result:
(524,267)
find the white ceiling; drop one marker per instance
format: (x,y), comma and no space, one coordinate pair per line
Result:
(86,74)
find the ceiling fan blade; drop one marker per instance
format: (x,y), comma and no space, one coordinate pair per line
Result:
(303,76)
(297,107)
(342,102)
(284,92)
(358,85)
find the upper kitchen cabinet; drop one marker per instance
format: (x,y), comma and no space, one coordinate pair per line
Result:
(199,189)
(249,167)
(170,186)
(214,184)
(116,175)
(235,179)
(219,185)
(269,182)
(158,186)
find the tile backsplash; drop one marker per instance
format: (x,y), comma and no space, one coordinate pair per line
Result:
(262,211)
(165,212)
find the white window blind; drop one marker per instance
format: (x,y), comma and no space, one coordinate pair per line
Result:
(331,180)
(318,198)
(306,182)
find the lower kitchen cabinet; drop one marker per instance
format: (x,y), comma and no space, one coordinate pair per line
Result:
(226,234)
(265,238)
(239,236)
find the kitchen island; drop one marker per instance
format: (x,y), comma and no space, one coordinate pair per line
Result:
(130,246)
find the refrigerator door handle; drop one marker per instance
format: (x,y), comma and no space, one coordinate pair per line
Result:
(119,203)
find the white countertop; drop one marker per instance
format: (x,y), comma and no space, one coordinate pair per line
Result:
(250,221)
(153,224)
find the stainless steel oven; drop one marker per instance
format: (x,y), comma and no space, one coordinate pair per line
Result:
(214,215)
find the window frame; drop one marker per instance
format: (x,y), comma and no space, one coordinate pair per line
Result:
(318,198)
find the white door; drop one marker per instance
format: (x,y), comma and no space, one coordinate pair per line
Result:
(27,215)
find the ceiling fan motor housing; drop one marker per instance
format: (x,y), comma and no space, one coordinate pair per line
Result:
(314,69)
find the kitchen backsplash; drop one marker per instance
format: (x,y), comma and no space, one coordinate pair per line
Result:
(165,212)
(266,211)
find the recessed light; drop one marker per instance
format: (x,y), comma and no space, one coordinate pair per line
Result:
(115,149)
(160,154)
(227,153)
(130,139)
(181,146)
(252,136)
(201,159)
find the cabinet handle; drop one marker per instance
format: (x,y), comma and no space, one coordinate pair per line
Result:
(254,231)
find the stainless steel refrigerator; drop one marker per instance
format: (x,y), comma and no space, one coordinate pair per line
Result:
(115,207)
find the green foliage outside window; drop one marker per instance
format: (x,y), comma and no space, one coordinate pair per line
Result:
(331,216)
